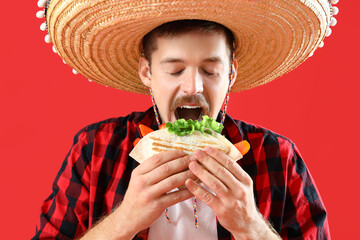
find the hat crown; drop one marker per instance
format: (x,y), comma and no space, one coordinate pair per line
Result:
(100,38)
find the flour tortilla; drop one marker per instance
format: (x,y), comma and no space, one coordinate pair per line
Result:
(161,140)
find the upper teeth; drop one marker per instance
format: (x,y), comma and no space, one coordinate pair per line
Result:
(190,107)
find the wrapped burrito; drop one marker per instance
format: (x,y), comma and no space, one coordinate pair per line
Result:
(185,135)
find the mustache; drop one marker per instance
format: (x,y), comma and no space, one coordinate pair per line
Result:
(198,99)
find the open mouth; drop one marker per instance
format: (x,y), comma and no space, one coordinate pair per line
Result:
(189,112)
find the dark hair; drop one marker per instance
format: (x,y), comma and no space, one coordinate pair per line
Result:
(180,27)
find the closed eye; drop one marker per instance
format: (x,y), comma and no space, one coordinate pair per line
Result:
(177,73)
(209,73)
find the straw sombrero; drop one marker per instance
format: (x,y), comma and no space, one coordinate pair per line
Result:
(100,38)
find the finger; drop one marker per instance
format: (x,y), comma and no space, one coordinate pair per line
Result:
(158,159)
(209,179)
(172,198)
(205,196)
(167,169)
(171,183)
(233,167)
(216,169)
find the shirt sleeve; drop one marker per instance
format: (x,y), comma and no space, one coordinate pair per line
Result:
(64,214)
(304,214)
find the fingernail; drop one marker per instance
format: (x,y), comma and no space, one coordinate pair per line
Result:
(198,153)
(207,149)
(193,165)
(192,158)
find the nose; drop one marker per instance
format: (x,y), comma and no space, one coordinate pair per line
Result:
(192,83)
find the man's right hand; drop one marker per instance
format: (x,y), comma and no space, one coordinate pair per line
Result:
(147,195)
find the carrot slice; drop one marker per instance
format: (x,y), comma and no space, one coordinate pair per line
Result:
(144,130)
(136,141)
(243,147)
(162,126)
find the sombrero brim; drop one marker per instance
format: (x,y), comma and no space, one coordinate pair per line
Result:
(100,38)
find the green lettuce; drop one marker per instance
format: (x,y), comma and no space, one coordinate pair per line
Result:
(183,127)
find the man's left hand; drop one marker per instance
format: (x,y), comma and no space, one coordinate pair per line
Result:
(233,202)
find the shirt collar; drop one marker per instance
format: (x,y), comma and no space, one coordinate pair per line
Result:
(147,118)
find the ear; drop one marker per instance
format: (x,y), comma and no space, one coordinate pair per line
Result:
(234,72)
(144,71)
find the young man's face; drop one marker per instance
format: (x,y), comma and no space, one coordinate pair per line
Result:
(189,75)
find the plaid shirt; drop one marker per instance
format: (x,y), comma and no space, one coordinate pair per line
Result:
(96,172)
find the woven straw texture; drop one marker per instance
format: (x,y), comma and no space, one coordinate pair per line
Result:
(100,38)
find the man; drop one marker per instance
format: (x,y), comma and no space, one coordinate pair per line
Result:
(189,66)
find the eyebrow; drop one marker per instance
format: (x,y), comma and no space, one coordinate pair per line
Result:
(213,59)
(178,60)
(172,60)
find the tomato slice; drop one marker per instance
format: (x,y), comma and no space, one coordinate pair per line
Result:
(136,141)
(243,147)
(145,130)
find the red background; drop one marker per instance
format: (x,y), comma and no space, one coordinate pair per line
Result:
(43,105)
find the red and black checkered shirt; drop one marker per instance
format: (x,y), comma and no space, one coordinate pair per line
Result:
(96,172)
